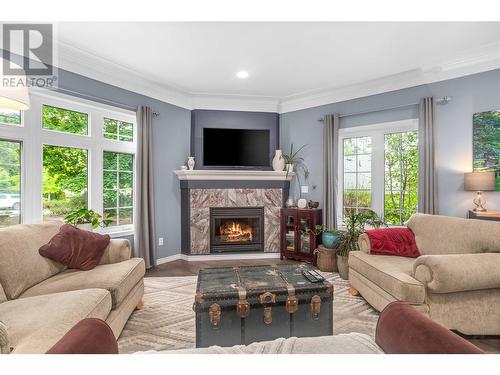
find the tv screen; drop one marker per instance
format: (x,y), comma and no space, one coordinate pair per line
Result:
(236,147)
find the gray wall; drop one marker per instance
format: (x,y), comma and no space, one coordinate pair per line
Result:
(471,94)
(171,138)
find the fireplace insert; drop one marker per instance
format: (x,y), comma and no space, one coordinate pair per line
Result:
(235,229)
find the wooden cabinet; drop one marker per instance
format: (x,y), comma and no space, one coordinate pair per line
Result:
(297,240)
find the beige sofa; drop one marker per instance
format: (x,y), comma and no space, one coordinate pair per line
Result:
(40,300)
(455,281)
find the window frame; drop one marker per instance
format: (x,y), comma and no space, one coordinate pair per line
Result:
(377,133)
(33,136)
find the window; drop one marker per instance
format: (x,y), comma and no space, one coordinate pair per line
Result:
(118,177)
(64,120)
(79,154)
(357,172)
(378,167)
(10,183)
(401,177)
(64,180)
(118,130)
(10,117)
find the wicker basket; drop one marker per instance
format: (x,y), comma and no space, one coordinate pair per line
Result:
(327,260)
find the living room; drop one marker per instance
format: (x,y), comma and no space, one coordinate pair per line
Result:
(264,187)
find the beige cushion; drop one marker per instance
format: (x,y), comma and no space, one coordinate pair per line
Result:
(35,324)
(452,235)
(117,278)
(118,250)
(20,264)
(458,272)
(391,273)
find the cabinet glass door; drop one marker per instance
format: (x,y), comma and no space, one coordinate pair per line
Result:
(290,226)
(305,235)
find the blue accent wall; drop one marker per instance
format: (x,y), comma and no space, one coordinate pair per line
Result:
(171,138)
(471,94)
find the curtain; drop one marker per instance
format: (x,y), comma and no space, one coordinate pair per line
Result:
(144,218)
(428,195)
(330,178)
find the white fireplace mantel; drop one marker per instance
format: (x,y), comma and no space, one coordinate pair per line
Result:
(205,174)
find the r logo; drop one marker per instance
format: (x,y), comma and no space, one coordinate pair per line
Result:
(34,42)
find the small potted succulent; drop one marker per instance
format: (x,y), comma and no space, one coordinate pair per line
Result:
(86,219)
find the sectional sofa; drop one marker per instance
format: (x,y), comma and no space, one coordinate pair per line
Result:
(41,300)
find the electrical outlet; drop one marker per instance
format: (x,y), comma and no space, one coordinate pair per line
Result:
(304,189)
(160,241)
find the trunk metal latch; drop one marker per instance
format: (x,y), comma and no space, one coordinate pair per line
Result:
(265,299)
(315,307)
(214,313)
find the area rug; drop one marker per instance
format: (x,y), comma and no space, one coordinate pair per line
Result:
(167,320)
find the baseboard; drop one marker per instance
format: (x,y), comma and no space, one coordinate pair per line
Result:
(168,259)
(211,257)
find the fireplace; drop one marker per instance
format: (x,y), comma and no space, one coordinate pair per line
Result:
(235,229)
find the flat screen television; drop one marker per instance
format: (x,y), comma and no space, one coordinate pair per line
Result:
(236,147)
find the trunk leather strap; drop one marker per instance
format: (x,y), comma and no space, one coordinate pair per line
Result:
(243,307)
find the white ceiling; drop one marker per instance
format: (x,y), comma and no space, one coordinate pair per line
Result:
(287,62)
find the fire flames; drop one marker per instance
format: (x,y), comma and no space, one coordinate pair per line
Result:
(235,232)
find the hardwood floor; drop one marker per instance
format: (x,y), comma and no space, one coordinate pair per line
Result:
(184,268)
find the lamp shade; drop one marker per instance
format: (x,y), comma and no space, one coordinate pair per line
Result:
(13,94)
(479,181)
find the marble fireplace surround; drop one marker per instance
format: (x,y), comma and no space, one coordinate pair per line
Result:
(197,196)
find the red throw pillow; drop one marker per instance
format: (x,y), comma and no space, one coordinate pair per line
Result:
(76,248)
(393,241)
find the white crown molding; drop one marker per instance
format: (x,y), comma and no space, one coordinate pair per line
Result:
(480,60)
(82,62)
(236,102)
(89,65)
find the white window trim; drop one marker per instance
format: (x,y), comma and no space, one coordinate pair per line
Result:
(376,132)
(33,137)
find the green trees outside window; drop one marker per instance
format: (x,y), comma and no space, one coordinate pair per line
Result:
(118,184)
(401,177)
(118,130)
(10,117)
(10,182)
(64,180)
(357,173)
(64,120)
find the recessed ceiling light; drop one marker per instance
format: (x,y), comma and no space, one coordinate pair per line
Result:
(242,74)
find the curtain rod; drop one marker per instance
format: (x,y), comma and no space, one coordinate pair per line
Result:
(443,100)
(101,100)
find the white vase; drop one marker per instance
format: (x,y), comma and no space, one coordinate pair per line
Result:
(278,161)
(191,163)
(301,203)
(289,168)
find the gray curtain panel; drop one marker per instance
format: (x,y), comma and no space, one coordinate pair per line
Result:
(330,178)
(428,194)
(144,218)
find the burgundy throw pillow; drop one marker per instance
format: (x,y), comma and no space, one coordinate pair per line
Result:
(76,248)
(393,241)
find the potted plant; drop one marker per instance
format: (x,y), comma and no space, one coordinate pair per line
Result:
(292,159)
(329,236)
(86,219)
(354,223)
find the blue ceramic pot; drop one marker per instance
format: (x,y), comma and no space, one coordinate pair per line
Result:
(329,239)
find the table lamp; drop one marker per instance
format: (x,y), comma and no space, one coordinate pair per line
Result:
(479,182)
